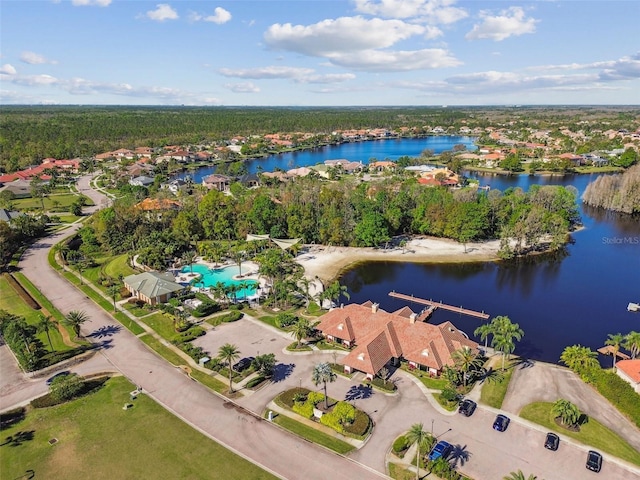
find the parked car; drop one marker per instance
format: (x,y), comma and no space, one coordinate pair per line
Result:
(467,407)
(242,364)
(441,450)
(57,375)
(594,461)
(552,441)
(501,423)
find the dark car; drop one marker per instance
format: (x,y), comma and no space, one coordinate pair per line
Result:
(467,407)
(594,461)
(243,364)
(57,375)
(552,441)
(441,450)
(501,423)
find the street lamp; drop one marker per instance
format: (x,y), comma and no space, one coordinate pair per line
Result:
(432,427)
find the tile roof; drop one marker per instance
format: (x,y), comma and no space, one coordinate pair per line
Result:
(631,368)
(380,335)
(153,284)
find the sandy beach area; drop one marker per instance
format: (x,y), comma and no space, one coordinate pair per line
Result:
(326,262)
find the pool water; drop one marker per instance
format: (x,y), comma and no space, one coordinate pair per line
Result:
(210,277)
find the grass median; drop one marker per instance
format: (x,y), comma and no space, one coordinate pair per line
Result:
(313,435)
(96,438)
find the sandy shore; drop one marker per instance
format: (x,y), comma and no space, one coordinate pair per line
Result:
(327,262)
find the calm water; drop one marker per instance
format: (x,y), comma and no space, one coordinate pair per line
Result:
(559,300)
(357,152)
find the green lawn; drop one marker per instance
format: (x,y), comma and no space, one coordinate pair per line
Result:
(313,435)
(118,266)
(97,439)
(592,433)
(162,324)
(493,392)
(165,352)
(209,381)
(64,201)
(13,303)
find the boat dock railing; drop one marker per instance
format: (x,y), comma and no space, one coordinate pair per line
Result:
(444,306)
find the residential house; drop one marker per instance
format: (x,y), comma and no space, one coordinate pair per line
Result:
(20,188)
(152,287)
(175,186)
(141,181)
(378,338)
(629,371)
(381,166)
(8,215)
(157,205)
(217,181)
(249,180)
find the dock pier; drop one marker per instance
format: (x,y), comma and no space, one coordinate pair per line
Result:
(435,305)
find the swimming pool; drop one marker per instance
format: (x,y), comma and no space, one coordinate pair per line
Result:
(210,277)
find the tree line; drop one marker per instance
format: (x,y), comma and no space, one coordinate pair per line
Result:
(620,193)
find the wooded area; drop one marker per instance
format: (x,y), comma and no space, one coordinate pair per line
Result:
(620,193)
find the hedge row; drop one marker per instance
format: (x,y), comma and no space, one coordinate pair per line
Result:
(231,316)
(22,293)
(254,382)
(88,386)
(619,393)
(190,334)
(360,426)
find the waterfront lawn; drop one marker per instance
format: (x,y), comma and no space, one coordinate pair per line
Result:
(494,391)
(592,433)
(313,435)
(96,435)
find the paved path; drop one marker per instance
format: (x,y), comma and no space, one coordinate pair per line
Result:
(256,439)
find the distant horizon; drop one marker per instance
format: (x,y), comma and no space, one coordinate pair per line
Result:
(292,53)
(80,105)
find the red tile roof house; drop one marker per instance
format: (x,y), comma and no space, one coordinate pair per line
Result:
(629,371)
(379,338)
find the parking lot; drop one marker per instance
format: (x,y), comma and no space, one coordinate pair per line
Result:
(479,450)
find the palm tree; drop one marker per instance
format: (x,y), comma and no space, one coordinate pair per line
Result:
(229,353)
(189,257)
(419,436)
(579,358)
(322,373)
(615,340)
(632,343)
(238,258)
(220,290)
(519,476)
(300,329)
(505,332)
(567,411)
(334,291)
(483,331)
(466,359)
(305,285)
(46,323)
(113,290)
(75,319)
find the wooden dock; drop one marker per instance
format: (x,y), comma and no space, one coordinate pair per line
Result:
(444,306)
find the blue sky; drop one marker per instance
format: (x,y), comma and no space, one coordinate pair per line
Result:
(330,52)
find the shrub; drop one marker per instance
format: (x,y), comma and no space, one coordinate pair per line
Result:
(194,352)
(287,398)
(254,382)
(231,316)
(360,426)
(205,308)
(331,421)
(190,334)
(305,409)
(136,301)
(400,444)
(619,393)
(124,293)
(315,398)
(285,319)
(383,384)
(344,412)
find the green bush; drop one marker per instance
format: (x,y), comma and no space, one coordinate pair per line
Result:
(360,426)
(254,382)
(619,393)
(305,409)
(287,398)
(400,444)
(331,421)
(285,319)
(191,334)
(383,384)
(231,316)
(205,308)
(315,398)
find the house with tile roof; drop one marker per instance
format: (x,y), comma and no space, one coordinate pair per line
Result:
(629,371)
(378,338)
(152,287)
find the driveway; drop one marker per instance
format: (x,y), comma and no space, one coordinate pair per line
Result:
(544,382)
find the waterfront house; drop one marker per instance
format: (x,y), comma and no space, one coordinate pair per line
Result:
(217,181)
(152,287)
(629,371)
(378,338)
(141,181)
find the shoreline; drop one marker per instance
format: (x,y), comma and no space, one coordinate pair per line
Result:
(327,262)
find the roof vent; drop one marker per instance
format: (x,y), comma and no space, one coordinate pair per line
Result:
(425,353)
(361,357)
(374,307)
(341,326)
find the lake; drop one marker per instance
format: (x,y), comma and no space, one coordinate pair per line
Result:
(574,298)
(391,149)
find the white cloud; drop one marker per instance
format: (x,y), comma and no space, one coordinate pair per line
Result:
(33,58)
(220,16)
(327,78)
(510,22)
(430,11)
(627,67)
(344,34)
(162,12)
(90,3)
(270,72)
(246,87)
(432,32)
(8,69)
(396,61)
(34,80)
